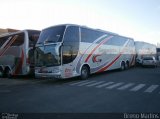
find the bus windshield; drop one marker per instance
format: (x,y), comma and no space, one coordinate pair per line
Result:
(51,35)
(47,56)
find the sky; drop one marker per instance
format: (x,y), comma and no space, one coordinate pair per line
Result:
(138,19)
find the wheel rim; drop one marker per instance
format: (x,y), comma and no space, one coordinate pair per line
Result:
(84,73)
(122,66)
(8,73)
(127,65)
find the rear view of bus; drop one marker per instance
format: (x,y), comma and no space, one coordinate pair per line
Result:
(17,53)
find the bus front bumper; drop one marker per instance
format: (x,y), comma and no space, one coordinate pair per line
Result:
(48,75)
(47,72)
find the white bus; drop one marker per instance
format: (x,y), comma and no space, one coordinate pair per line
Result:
(17,53)
(144,49)
(66,51)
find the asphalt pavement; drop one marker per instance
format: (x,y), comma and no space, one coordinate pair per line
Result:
(134,90)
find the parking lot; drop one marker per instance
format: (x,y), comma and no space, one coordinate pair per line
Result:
(133,90)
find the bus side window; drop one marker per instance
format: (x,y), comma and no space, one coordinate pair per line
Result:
(88,35)
(67,54)
(4,41)
(19,40)
(33,39)
(70,44)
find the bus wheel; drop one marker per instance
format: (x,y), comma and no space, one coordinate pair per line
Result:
(122,66)
(85,72)
(8,73)
(1,72)
(127,65)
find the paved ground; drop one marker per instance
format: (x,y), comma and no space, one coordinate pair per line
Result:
(133,90)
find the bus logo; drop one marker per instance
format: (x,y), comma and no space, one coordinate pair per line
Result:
(96,59)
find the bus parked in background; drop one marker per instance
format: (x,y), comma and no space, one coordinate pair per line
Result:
(66,51)
(144,49)
(17,53)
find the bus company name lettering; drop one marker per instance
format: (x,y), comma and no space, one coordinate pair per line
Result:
(107,51)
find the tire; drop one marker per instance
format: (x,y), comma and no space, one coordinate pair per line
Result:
(8,73)
(1,72)
(122,68)
(127,65)
(85,72)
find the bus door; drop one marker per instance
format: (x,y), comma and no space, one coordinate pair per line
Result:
(70,50)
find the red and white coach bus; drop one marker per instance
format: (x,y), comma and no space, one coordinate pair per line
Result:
(17,53)
(65,51)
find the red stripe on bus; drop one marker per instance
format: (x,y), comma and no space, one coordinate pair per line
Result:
(19,67)
(104,41)
(106,67)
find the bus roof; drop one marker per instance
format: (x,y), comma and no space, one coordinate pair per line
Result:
(12,33)
(142,42)
(89,28)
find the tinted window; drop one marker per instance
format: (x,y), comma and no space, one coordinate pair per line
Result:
(47,56)
(148,58)
(33,37)
(67,54)
(158,49)
(3,40)
(52,35)
(72,34)
(90,36)
(131,43)
(19,39)
(116,40)
(70,44)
